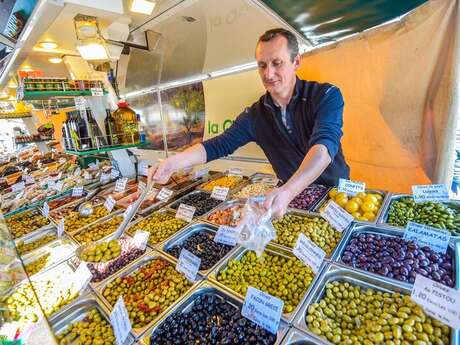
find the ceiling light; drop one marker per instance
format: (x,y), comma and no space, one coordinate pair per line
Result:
(93,51)
(55,60)
(48,45)
(142,6)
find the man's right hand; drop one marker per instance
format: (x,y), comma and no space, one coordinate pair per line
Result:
(161,172)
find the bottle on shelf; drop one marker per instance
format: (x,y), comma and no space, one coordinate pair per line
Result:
(126,124)
(96,135)
(110,129)
(83,132)
(66,132)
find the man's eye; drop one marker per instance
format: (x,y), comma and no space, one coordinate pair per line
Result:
(277,63)
(262,65)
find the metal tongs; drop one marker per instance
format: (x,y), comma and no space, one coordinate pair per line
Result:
(122,227)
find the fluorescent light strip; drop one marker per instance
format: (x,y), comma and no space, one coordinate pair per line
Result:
(235,69)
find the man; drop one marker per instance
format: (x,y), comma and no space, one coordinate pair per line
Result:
(298,125)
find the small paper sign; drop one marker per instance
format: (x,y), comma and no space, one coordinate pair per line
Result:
(227,235)
(164,194)
(60,228)
(58,177)
(127,211)
(62,160)
(437,300)
(185,212)
(80,103)
(120,322)
(309,253)
(219,193)
(109,204)
(82,276)
(120,185)
(97,92)
(143,168)
(351,187)
(58,186)
(141,186)
(430,192)
(77,191)
(17,187)
(263,309)
(425,235)
(30,179)
(105,178)
(141,239)
(77,172)
(188,264)
(86,175)
(51,184)
(46,209)
(200,173)
(337,216)
(114,174)
(235,172)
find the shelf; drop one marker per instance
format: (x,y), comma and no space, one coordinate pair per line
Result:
(102,150)
(6,116)
(43,95)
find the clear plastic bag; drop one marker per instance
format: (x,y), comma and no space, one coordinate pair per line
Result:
(256,228)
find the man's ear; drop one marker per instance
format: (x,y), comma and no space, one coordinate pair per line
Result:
(297,61)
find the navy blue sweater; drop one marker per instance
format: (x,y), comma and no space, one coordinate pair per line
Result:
(314,115)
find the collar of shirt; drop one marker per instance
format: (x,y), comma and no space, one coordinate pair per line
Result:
(269,101)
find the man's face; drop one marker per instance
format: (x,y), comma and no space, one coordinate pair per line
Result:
(276,69)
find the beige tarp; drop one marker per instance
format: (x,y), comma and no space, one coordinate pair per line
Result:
(399,86)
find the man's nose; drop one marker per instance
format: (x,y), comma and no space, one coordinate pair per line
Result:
(269,72)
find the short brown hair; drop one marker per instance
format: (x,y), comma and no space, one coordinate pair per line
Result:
(292,43)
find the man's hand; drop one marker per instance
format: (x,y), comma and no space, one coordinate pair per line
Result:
(278,200)
(161,172)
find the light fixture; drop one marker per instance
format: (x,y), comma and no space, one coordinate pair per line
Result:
(92,51)
(142,6)
(12,84)
(49,45)
(55,60)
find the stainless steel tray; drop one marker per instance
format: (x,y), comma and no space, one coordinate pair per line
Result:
(384,194)
(131,225)
(242,183)
(220,207)
(73,234)
(78,311)
(183,235)
(34,236)
(50,225)
(179,201)
(395,197)
(70,204)
(319,200)
(205,288)
(335,272)
(297,337)
(360,228)
(238,253)
(254,178)
(138,332)
(309,214)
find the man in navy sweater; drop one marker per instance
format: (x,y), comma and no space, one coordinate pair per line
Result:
(297,123)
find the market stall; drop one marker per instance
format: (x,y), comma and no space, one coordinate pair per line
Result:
(93,253)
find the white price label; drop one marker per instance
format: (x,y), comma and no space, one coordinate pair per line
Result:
(127,211)
(235,171)
(185,212)
(425,235)
(141,239)
(219,193)
(114,173)
(164,194)
(46,209)
(92,166)
(87,176)
(62,160)
(60,228)
(200,173)
(141,186)
(51,184)
(80,103)
(58,177)
(119,319)
(143,168)
(188,264)
(227,235)
(430,192)
(97,92)
(105,178)
(309,252)
(82,276)
(58,186)
(120,185)
(109,204)
(351,187)
(77,172)
(17,187)
(77,191)
(437,300)
(263,309)
(30,179)
(337,216)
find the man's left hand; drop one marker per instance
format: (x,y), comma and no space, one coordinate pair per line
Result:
(278,200)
